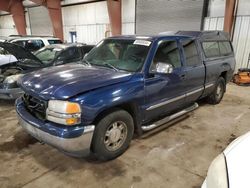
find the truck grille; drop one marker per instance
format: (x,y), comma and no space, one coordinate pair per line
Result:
(35,106)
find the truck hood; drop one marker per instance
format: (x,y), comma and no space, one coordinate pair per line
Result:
(18,51)
(63,82)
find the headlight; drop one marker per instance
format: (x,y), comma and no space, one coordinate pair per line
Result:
(63,112)
(12,79)
(217,173)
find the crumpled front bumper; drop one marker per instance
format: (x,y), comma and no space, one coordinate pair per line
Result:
(12,93)
(76,145)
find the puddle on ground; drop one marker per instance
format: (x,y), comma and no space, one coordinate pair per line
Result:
(185,127)
(108,170)
(20,141)
(137,179)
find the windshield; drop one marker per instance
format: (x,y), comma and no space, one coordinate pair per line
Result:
(46,55)
(128,55)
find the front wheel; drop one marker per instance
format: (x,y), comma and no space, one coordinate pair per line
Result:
(112,135)
(218,93)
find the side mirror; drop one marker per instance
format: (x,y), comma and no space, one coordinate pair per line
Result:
(164,68)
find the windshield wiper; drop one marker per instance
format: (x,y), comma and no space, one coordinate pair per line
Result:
(111,66)
(86,62)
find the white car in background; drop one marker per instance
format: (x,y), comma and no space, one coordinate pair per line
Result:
(32,42)
(231,168)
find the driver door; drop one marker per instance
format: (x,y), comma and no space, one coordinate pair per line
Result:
(165,92)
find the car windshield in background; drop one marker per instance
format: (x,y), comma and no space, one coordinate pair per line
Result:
(128,55)
(55,42)
(46,55)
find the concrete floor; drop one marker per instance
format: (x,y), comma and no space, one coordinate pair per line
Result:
(176,157)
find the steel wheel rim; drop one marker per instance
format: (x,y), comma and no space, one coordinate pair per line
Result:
(219,91)
(115,135)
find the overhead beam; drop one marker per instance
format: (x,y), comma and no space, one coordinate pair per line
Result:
(17,11)
(229,15)
(15,7)
(115,17)
(5,5)
(55,13)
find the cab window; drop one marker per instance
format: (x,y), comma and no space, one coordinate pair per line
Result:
(211,49)
(167,52)
(191,53)
(225,48)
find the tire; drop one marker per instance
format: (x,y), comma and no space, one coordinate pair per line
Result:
(112,135)
(218,93)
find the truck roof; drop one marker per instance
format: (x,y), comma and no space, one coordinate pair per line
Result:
(65,45)
(202,35)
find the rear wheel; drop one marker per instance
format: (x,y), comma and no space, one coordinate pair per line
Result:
(218,92)
(112,135)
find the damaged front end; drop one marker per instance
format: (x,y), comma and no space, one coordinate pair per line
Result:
(8,82)
(12,71)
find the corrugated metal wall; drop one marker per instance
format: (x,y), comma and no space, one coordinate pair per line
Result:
(87,20)
(7,25)
(91,21)
(154,16)
(215,23)
(241,41)
(40,23)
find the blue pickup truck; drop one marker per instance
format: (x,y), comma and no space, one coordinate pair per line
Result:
(125,86)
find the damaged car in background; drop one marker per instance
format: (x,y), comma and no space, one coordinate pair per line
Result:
(5,57)
(52,55)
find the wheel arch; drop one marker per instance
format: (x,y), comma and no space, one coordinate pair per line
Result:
(224,75)
(130,107)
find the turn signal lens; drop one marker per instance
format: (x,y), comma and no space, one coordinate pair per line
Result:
(72,121)
(72,108)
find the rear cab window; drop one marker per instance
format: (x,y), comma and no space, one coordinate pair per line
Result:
(225,48)
(213,49)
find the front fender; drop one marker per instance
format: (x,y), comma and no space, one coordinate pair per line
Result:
(96,101)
